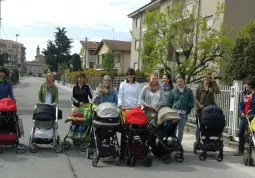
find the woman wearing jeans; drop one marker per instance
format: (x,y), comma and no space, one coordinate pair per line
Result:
(182,100)
(246,106)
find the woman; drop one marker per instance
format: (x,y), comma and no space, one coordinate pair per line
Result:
(167,85)
(5,86)
(48,92)
(105,92)
(81,92)
(152,95)
(129,92)
(246,106)
(182,100)
(205,94)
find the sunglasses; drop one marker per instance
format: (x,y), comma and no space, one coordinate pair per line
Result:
(129,74)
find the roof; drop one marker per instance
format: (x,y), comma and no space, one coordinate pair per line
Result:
(150,6)
(115,45)
(90,44)
(9,42)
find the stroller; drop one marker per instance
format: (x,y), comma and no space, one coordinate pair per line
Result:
(45,128)
(86,111)
(248,159)
(135,138)
(105,124)
(164,127)
(9,126)
(210,124)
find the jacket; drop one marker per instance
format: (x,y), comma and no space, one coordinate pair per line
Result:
(182,101)
(146,98)
(242,105)
(6,90)
(42,94)
(81,94)
(112,98)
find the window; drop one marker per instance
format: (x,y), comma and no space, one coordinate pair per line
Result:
(137,22)
(91,65)
(209,21)
(137,44)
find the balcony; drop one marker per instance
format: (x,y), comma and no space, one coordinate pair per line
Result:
(117,65)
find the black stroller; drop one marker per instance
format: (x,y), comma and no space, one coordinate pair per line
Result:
(45,127)
(211,124)
(105,124)
(164,127)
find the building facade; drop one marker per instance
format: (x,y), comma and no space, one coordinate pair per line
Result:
(237,14)
(87,54)
(16,52)
(36,66)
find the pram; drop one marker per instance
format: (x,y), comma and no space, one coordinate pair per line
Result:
(86,111)
(164,127)
(9,126)
(45,128)
(105,124)
(135,138)
(210,124)
(248,159)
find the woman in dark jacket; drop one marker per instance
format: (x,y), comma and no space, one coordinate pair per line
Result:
(81,92)
(5,86)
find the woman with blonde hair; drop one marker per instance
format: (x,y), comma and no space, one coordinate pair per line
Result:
(105,92)
(48,92)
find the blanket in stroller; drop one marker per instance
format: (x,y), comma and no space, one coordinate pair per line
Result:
(8,105)
(136,117)
(253,124)
(107,110)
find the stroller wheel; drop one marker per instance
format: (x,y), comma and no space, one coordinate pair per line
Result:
(203,156)
(179,157)
(167,159)
(95,162)
(83,147)
(132,161)
(66,145)
(128,160)
(33,148)
(21,148)
(195,148)
(147,162)
(248,160)
(76,143)
(58,148)
(1,149)
(117,161)
(219,157)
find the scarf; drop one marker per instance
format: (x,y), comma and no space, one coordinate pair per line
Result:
(166,87)
(50,87)
(3,81)
(153,87)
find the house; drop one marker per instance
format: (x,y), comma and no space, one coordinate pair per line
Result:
(16,52)
(121,51)
(88,47)
(237,14)
(36,66)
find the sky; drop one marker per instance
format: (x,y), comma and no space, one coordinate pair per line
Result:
(36,21)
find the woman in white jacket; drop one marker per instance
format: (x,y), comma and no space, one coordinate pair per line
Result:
(129,92)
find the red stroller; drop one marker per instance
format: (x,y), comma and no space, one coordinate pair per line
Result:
(9,126)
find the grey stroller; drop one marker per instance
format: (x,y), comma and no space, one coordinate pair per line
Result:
(45,128)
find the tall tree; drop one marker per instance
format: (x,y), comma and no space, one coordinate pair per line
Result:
(3,58)
(241,64)
(58,51)
(76,62)
(108,62)
(192,36)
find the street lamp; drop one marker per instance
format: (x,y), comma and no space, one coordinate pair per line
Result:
(17,35)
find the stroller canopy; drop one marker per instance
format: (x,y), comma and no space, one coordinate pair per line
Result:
(44,112)
(8,105)
(165,113)
(107,110)
(211,112)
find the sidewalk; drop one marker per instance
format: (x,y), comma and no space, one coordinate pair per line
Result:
(188,138)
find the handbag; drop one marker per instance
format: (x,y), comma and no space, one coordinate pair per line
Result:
(60,112)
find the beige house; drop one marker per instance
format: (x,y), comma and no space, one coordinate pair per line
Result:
(121,51)
(87,54)
(238,13)
(16,52)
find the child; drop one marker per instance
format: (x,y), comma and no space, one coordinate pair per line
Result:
(76,124)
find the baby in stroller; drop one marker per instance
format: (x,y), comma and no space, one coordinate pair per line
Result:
(76,124)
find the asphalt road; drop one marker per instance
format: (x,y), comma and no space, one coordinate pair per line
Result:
(71,164)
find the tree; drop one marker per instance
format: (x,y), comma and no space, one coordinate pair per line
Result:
(76,62)
(108,62)
(196,43)
(242,61)
(58,51)
(3,58)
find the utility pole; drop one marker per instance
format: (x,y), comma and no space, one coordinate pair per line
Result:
(85,54)
(17,35)
(1,19)
(113,30)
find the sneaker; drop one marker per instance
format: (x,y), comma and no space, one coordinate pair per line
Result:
(239,153)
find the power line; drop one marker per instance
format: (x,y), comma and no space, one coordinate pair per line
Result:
(4,32)
(49,40)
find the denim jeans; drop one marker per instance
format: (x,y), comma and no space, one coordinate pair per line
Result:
(181,126)
(80,128)
(242,129)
